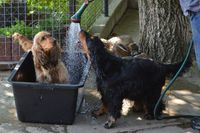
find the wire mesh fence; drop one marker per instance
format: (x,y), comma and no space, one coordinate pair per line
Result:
(31,16)
(91,13)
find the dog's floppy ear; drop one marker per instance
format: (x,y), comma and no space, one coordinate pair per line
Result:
(41,58)
(36,43)
(54,54)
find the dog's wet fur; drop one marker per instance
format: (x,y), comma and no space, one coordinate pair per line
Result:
(137,79)
(47,59)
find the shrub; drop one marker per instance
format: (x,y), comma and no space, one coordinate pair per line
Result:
(21,28)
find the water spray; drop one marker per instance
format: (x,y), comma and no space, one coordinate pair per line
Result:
(73,57)
(72,53)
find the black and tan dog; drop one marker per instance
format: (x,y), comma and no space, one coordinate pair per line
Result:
(137,79)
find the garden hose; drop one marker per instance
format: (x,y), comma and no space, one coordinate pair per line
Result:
(195,121)
(170,84)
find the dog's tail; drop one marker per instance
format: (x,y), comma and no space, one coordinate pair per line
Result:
(172,69)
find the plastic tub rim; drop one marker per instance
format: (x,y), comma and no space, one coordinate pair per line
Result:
(47,85)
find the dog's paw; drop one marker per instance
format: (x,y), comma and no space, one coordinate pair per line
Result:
(148,117)
(109,124)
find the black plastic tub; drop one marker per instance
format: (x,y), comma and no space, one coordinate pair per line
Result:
(41,102)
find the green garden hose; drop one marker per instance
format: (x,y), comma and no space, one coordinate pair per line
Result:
(168,87)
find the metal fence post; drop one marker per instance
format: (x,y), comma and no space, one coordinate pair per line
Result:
(106,13)
(72,7)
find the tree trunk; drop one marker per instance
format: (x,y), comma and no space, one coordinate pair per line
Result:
(164,31)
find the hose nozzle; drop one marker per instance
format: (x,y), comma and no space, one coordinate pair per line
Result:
(76,18)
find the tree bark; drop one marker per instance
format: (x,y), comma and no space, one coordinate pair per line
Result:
(164,31)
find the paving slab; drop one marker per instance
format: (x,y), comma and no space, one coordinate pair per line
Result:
(171,129)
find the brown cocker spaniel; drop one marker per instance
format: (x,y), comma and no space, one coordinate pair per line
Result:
(47,59)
